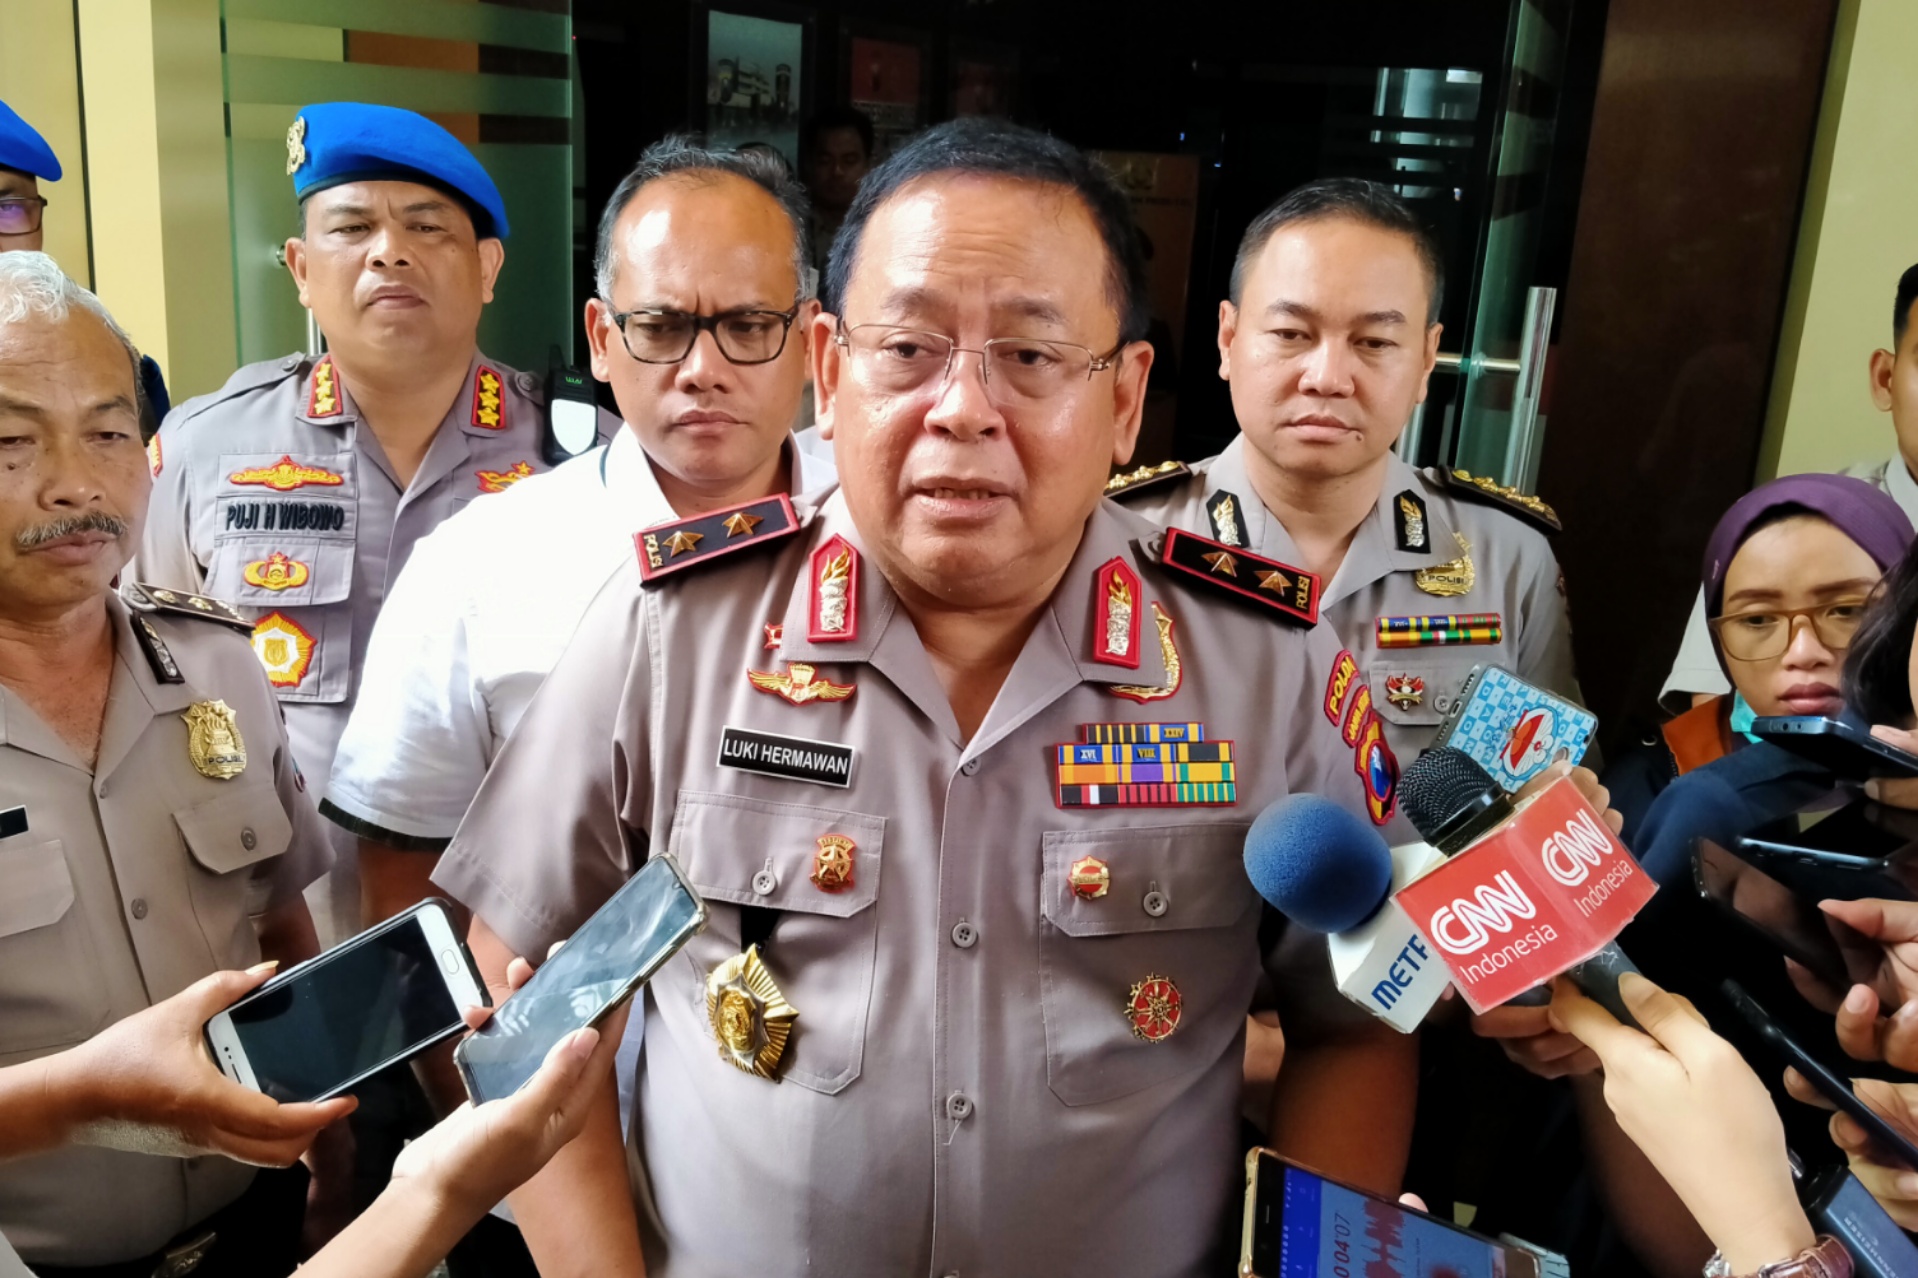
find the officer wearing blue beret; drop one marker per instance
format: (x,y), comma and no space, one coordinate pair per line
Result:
(298,490)
(25,159)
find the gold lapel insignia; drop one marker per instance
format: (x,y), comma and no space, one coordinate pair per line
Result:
(1453,577)
(775,635)
(1223,511)
(834,609)
(295,145)
(1411,522)
(800,684)
(1174,675)
(741,524)
(213,740)
(751,1019)
(1115,625)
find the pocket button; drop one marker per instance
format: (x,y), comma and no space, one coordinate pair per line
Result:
(139,907)
(1155,903)
(765,883)
(248,839)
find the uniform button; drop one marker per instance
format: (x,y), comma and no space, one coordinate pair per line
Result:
(969,767)
(1441,703)
(1155,903)
(290,363)
(964,935)
(139,907)
(958,1107)
(527,383)
(248,839)
(765,883)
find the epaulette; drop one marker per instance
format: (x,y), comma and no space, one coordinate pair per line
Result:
(1480,489)
(1128,482)
(697,541)
(144,598)
(1292,594)
(249,377)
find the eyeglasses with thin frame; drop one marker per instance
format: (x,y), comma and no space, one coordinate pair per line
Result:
(897,361)
(1763,636)
(20,214)
(667,337)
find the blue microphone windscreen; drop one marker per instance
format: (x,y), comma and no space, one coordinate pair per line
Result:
(1319,865)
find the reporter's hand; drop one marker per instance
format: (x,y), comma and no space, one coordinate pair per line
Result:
(1897,792)
(1699,1114)
(147,1085)
(1589,787)
(1895,1186)
(1887,967)
(1532,1043)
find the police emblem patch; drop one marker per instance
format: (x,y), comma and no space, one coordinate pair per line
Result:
(285,475)
(276,572)
(284,648)
(498,481)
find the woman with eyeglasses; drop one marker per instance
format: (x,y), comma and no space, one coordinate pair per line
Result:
(1788,574)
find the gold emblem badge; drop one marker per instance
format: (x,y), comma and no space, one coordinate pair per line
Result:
(1153,1008)
(1453,577)
(833,614)
(775,635)
(498,481)
(295,145)
(1222,562)
(276,572)
(213,740)
(751,1019)
(284,648)
(1404,690)
(741,524)
(1223,511)
(1090,878)
(800,684)
(832,862)
(1173,674)
(1411,523)
(285,475)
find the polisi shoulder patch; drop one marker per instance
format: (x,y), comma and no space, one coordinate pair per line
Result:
(1292,594)
(713,534)
(1126,483)
(1478,488)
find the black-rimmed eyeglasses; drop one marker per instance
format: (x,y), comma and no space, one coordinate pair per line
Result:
(667,337)
(20,214)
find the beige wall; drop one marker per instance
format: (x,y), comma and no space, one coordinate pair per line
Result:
(39,78)
(1860,232)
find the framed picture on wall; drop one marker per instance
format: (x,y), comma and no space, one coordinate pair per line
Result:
(752,73)
(983,80)
(887,75)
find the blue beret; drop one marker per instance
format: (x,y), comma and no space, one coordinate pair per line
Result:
(21,147)
(333,143)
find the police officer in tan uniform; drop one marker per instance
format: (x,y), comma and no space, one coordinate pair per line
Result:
(962,760)
(153,827)
(299,488)
(1327,341)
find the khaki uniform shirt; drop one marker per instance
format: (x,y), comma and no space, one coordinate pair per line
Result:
(1514,574)
(963,1091)
(135,878)
(268,495)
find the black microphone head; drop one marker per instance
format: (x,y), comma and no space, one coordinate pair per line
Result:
(1449,799)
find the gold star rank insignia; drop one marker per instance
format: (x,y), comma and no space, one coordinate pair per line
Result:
(1222,562)
(699,539)
(741,524)
(1291,592)
(751,1018)
(682,541)
(1275,581)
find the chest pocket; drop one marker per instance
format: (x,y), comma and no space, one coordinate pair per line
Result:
(302,594)
(1178,908)
(1433,676)
(229,837)
(821,949)
(52,993)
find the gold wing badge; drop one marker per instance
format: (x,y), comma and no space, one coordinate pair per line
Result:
(800,684)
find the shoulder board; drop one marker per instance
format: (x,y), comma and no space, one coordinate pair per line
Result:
(160,599)
(1480,489)
(698,541)
(1126,483)
(1281,591)
(250,377)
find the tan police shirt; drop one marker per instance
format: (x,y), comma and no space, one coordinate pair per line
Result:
(268,494)
(1468,557)
(991,1072)
(133,879)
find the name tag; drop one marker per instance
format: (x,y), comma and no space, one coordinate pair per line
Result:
(794,758)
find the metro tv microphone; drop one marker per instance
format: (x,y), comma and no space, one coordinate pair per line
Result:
(1328,870)
(1533,889)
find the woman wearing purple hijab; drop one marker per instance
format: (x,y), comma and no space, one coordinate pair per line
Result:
(1787,573)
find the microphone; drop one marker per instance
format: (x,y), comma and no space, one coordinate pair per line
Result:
(1328,870)
(1532,889)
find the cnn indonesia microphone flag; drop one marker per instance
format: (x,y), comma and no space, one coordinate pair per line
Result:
(1538,896)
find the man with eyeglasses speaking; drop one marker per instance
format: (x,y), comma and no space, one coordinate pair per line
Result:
(961,758)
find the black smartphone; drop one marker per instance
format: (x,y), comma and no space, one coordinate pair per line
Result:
(1789,921)
(613,953)
(1833,1088)
(1839,1205)
(1861,849)
(1847,748)
(1298,1224)
(382,997)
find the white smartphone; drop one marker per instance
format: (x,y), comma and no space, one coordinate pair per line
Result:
(318,1029)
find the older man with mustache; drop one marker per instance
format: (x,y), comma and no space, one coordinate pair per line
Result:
(153,828)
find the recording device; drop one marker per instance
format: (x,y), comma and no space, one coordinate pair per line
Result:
(1862,849)
(572,414)
(319,1029)
(1533,889)
(1844,746)
(1833,1088)
(1298,1224)
(1789,922)
(1840,1206)
(13,821)
(1327,869)
(1513,729)
(613,953)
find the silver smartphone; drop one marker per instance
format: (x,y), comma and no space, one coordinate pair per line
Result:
(385,996)
(612,954)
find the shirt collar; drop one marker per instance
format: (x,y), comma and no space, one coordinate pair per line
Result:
(628,476)
(1901,486)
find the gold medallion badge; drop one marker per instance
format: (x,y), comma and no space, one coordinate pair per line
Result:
(1451,578)
(295,145)
(213,740)
(832,865)
(751,1019)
